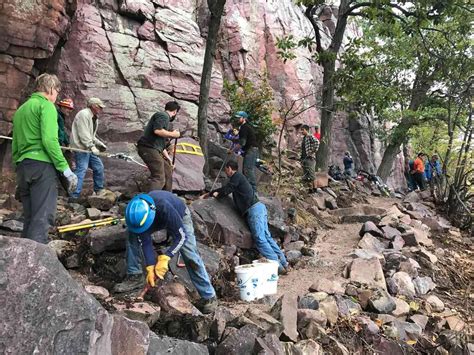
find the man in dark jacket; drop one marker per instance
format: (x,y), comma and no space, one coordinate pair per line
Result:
(161,210)
(152,147)
(249,206)
(248,142)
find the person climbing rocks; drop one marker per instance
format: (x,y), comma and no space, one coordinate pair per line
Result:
(309,147)
(348,164)
(161,210)
(37,156)
(317,133)
(248,142)
(152,147)
(84,136)
(418,171)
(253,210)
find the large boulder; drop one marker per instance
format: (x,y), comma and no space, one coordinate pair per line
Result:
(188,172)
(218,219)
(45,311)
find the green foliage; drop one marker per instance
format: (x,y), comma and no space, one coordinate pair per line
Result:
(257,100)
(381,68)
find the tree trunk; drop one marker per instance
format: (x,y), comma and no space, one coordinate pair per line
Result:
(421,85)
(393,148)
(327,113)
(216,8)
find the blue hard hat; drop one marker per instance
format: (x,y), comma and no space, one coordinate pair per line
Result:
(140,213)
(242,114)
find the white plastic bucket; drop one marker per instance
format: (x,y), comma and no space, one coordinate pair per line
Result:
(269,274)
(249,282)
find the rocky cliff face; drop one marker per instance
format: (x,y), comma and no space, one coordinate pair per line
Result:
(137,55)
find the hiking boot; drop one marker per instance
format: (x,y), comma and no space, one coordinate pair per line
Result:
(283,270)
(208,306)
(98,192)
(131,283)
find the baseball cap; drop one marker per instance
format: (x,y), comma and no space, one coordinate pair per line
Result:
(95,101)
(242,114)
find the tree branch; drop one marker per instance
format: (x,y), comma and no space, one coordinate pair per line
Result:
(309,13)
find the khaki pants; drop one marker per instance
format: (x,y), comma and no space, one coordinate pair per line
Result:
(309,165)
(160,169)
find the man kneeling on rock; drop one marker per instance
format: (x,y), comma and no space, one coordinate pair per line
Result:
(158,210)
(256,213)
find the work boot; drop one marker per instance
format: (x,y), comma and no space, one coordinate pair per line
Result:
(208,306)
(131,283)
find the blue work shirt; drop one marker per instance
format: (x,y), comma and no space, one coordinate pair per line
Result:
(169,215)
(430,167)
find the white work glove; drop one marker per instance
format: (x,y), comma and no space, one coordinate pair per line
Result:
(95,151)
(71,180)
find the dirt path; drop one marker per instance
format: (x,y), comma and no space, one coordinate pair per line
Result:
(332,249)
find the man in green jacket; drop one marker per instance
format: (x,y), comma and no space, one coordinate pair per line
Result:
(37,155)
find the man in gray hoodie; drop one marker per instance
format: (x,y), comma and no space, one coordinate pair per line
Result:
(84,130)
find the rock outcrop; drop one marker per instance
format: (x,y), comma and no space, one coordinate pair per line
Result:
(138,55)
(45,311)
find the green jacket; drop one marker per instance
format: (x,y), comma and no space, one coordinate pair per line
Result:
(35,133)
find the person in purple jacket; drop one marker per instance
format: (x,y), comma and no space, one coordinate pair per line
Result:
(161,210)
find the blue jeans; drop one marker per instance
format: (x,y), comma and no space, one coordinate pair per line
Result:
(83,162)
(258,224)
(248,168)
(189,252)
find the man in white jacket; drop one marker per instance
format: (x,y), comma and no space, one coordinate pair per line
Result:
(84,129)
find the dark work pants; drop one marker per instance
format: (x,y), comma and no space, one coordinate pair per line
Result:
(419,180)
(160,169)
(250,161)
(38,189)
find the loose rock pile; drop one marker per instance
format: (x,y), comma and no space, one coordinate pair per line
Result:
(383,302)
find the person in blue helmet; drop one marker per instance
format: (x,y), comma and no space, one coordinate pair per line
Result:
(161,210)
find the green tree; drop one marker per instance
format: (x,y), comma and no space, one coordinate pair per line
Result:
(404,71)
(255,98)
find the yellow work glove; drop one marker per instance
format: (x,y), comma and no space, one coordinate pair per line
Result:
(150,275)
(161,267)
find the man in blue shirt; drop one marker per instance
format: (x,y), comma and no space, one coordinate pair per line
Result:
(432,168)
(158,210)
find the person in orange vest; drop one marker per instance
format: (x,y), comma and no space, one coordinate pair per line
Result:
(419,171)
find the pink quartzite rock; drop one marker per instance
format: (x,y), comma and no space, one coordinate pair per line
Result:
(188,175)
(285,310)
(368,272)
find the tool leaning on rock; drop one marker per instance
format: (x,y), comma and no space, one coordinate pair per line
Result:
(121,156)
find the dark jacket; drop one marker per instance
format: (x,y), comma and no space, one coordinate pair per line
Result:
(63,137)
(242,192)
(247,138)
